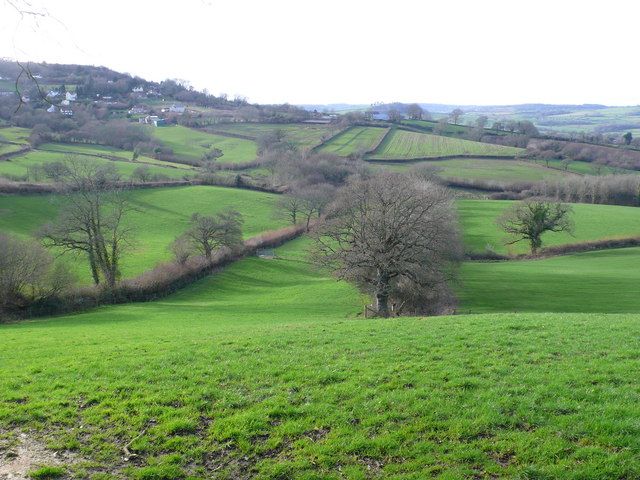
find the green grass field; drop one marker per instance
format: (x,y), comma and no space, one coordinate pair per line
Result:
(599,281)
(400,145)
(161,215)
(22,166)
(481,169)
(592,222)
(8,148)
(192,144)
(586,168)
(263,371)
(354,140)
(301,135)
(15,134)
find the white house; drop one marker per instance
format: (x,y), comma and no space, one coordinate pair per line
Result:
(65,103)
(52,109)
(137,90)
(53,93)
(138,110)
(177,108)
(71,97)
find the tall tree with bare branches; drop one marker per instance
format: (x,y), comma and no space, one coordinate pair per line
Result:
(389,234)
(92,220)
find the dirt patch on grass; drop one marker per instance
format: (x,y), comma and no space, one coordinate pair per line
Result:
(23,454)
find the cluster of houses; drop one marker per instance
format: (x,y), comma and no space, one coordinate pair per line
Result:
(155,120)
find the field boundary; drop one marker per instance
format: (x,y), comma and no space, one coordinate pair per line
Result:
(160,281)
(395,161)
(17,153)
(330,138)
(560,250)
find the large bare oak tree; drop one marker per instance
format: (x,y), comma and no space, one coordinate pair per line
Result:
(394,235)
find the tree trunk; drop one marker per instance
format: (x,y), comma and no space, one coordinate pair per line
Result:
(94,269)
(382,295)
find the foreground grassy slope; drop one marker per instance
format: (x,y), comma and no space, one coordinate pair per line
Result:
(401,145)
(482,169)
(262,371)
(592,222)
(301,135)
(193,144)
(354,140)
(161,214)
(603,281)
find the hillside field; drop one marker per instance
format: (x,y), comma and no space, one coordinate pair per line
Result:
(22,166)
(583,282)
(15,134)
(265,371)
(480,169)
(192,144)
(404,145)
(592,222)
(354,140)
(160,215)
(301,135)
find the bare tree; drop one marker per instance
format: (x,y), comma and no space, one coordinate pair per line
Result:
(208,233)
(142,174)
(389,233)
(455,115)
(182,249)
(530,219)
(414,111)
(482,121)
(92,221)
(290,206)
(394,115)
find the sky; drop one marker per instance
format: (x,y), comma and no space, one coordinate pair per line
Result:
(466,52)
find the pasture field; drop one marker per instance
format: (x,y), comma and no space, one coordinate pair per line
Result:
(301,135)
(600,281)
(592,222)
(354,140)
(586,168)
(193,144)
(160,215)
(110,151)
(429,125)
(482,169)
(22,166)
(264,371)
(15,134)
(404,145)
(9,148)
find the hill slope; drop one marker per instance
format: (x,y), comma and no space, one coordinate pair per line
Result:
(262,371)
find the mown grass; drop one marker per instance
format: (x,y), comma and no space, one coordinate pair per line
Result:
(482,169)
(354,140)
(193,144)
(160,215)
(592,222)
(301,135)
(401,144)
(601,281)
(263,371)
(22,166)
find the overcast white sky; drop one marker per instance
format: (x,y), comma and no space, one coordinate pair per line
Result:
(332,51)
